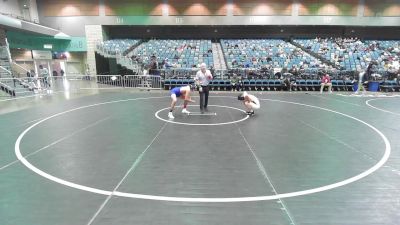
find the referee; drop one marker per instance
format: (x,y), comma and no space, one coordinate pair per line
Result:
(202,79)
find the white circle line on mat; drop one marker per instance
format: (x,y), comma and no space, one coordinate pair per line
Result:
(350,180)
(383,110)
(202,124)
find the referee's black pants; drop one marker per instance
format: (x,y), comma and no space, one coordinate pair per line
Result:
(204,97)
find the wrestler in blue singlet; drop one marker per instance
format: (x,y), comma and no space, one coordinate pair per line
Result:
(176,91)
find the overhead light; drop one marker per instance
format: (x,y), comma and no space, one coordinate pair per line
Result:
(61,35)
(48,46)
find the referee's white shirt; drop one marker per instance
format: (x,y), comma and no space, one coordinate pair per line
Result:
(202,77)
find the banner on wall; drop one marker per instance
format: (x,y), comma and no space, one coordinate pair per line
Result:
(37,54)
(37,42)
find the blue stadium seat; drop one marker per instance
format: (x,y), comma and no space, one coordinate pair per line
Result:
(265,84)
(340,85)
(222,85)
(390,85)
(174,83)
(179,83)
(316,84)
(167,84)
(252,84)
(334,84)
(246,84)
(301,84)
(278,85)
(214,84)
(348,84)
(271,85)
(228,85)
(259,85)
(309,85)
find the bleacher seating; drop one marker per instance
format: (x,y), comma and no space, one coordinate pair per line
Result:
(115,46)
(184,56)
(180,53)
(256,53)
(352,54)
(389,85)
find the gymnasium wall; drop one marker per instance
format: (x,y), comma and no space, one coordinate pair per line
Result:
(262,7)
(10,7)
(197,8)
(217,32)
(328,7)
(21,54)
(381,8)
(50,8)
(71,16)
(21,9)
(133,8)
(76,63)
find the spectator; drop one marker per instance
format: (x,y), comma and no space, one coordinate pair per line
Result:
(235,83)
(153,66)
(363,78)
(326,82)
(44,73)
(55,74)
(167,64)
(289,83)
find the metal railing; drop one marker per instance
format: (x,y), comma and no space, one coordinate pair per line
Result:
(3,69)
(18,70)
(93,82)
(33,85)
(5,87)
(127,81)
(128,63)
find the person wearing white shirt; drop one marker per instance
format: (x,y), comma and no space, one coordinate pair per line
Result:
(202,79)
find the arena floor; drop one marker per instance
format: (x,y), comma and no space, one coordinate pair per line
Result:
(113,157)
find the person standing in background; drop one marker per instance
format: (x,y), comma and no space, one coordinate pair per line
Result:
(363,78)
(202,80)
(44,73)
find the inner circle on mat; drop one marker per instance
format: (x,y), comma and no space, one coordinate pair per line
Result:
(368,103)
(210,118)
(350,180)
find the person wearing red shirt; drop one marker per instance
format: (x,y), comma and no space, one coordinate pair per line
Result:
(326,82)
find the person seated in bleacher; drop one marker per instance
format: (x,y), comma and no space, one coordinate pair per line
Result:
(235,83)
(167,64)
(289,82)
(397,79)
(293,70)
(326,82)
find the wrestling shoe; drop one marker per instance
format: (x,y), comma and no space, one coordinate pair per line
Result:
(185,111)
